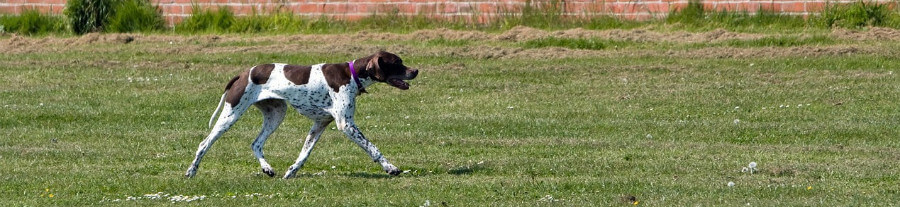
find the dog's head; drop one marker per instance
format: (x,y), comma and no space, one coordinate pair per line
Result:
(388,68)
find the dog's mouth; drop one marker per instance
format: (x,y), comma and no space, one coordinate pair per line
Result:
(396,82)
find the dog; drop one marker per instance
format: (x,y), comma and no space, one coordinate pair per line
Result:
(323,93)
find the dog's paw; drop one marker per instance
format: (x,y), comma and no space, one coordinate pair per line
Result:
(269,172)
(290,173)
(190,173)
(393,170)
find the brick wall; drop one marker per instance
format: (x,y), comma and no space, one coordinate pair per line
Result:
(176,10)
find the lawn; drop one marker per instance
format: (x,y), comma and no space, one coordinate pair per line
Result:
(517,118)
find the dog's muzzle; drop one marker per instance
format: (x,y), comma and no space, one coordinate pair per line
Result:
(399,81)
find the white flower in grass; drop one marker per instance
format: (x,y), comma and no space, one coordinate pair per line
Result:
(730,184)
(752,167)
(737,121)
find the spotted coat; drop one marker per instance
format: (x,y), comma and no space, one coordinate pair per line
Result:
(323,93)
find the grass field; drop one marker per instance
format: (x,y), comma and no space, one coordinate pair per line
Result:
(519,118)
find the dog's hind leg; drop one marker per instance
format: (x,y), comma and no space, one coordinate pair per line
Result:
(314,133)
(273,111)
(226,119)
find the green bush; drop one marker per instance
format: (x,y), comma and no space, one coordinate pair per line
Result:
(88,15)
(206,20)
(135,16)
(32,22)
(856,15)
(276,22)
(693,13)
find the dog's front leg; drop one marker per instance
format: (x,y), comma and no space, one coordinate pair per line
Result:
(314,133)
(346,125)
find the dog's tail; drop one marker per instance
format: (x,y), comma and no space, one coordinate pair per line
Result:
(222,100)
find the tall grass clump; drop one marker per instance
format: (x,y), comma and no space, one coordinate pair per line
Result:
(761,19)
(393,21)
(538,14)
(32,22)
(551,15)
(691,14)
(135,16)
(859,14)
(695,16)
(207,20)
(88,15)
(278,22)
(547,14)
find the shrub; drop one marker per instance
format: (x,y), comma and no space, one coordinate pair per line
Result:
(855,15)
(135,16)
(693,13)
(32,22)
(206,20)
(275,22)
(88,15)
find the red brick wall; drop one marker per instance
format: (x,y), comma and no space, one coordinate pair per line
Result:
(176,10)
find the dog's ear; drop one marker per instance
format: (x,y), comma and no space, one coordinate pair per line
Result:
(374,67)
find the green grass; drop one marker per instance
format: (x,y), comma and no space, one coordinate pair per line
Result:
(860,14)
(135,16)
(96,123)
(548,15)
(785,41)
(207,20)
(86,16)
(574,43)
(140,15)
(32,22)
(605,44)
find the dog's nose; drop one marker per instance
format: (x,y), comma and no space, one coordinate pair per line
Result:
(413,73)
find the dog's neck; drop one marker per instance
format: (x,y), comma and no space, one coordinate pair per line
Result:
(362,73)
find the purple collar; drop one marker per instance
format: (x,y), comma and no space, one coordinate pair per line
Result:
(356,77)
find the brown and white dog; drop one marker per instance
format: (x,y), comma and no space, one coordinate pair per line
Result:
(323,93)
